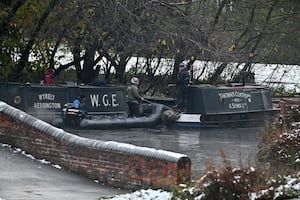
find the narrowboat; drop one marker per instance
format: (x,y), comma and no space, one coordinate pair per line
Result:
(106,106)
(221,106)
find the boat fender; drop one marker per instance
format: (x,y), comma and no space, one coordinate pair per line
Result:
(169,115)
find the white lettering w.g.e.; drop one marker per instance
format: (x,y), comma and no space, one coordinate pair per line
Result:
(106,100)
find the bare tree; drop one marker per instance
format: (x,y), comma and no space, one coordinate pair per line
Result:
(16,74)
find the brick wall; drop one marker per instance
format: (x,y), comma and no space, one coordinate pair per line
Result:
(116,164)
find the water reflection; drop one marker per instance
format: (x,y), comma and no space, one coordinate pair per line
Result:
(202,146)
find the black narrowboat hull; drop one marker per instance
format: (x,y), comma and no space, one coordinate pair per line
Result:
(236,120)
(207,106)
(210,106)
(46,102)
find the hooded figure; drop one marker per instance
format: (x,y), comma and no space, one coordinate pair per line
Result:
(134,98)
(49,76)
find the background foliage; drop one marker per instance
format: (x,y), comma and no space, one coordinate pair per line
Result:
(35,35)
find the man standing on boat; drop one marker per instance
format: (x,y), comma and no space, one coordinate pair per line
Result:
(134,98)
(181,86)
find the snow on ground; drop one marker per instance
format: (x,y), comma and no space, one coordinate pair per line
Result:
(292,184)
(142,195)
(18,150)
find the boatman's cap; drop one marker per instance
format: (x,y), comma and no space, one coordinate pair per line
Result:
(135,81)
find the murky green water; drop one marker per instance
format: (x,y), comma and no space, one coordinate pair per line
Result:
(202,146)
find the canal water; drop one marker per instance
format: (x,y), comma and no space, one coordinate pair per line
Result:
(240,145)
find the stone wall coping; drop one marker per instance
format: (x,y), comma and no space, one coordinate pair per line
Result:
(60,134)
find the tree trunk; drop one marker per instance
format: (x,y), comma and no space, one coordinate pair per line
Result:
(120,70)
(77,59)
(53,52)
(214,77)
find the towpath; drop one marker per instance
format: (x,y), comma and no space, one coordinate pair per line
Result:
(23,178)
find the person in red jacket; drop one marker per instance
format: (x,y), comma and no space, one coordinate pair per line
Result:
(49,76)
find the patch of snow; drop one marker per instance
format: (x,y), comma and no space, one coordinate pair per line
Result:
(57,166)
(143,195)
(18,150)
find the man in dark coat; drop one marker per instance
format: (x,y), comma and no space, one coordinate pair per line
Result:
(181,86)
(134,98)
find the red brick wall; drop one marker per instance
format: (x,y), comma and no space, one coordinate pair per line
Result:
(117,164)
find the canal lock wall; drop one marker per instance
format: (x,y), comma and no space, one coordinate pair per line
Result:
(116,164)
